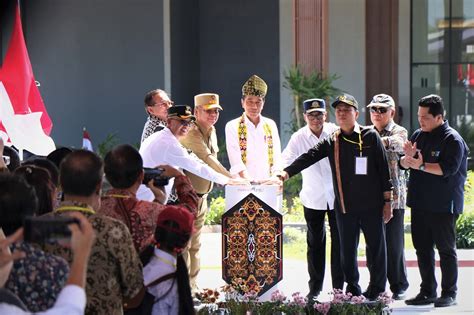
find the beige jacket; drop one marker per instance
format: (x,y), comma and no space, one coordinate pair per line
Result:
(204,145)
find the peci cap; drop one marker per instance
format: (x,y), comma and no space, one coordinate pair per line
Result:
(254,86)
(207,101)
(314,105)
(179,215)
(182,112)
(382,100)
(346,99)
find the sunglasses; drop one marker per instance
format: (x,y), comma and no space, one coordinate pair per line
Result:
(380,110)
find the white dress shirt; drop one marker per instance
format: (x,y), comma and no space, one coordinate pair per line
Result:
(164,148)
(317,190)
(71,301)
(160,265)
(257,148)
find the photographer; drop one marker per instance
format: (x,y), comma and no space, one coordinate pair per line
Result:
(72,299)
(38,278)
(124,171)
(114,270)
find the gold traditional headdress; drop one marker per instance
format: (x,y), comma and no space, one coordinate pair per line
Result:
(254,86)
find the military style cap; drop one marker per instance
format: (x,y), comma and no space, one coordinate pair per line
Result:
(254,86)
(182,112)
(207,101)
(314,105)
(346,99)
(382,100)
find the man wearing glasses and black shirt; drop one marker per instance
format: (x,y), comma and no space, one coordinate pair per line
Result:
(363,192)
(382,111)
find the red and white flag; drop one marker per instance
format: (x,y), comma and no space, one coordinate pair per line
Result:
(24,120)
(86,141)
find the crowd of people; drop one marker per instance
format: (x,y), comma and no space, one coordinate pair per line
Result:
(142,236)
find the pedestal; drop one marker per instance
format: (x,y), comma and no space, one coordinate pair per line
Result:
(252,238)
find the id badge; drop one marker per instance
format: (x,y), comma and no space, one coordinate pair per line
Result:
(361,165)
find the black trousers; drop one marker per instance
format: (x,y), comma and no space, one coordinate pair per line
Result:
(316,252)
(395,239)
(429,229)
(372,225)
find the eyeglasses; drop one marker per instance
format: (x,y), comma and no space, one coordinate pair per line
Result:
(380,110)
(315,116)
(164,103)
(184,123)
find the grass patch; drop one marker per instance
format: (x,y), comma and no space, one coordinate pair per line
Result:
(294,244)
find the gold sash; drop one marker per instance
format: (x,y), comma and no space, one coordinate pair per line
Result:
(242,133)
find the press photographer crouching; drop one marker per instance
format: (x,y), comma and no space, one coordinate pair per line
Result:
(124,171)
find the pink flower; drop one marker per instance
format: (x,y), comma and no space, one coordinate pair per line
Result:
(278,296)
(322,308)
(298,299)
(384,298)
(358,299)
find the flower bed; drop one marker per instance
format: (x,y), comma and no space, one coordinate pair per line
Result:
(239,303)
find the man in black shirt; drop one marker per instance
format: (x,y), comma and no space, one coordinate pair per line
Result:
(363,192)
(437,157)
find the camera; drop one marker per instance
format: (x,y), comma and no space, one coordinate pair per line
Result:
(6,159)
(156,175)
(47,229)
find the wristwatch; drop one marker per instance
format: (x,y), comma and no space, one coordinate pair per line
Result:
(422,167)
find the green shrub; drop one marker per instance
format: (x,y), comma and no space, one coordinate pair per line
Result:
(216,209)
(293,235)
(295,213)
(465,230)
(469,193)
(292,188)
(110,141)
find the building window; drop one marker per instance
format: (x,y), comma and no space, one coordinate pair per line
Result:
(442,57)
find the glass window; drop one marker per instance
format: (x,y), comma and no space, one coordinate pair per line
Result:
(462,31)
(430,30)
(462,96)
(428,79)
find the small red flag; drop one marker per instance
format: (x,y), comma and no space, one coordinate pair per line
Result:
(86,140)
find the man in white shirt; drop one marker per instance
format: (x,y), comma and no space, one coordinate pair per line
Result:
(72,299)
(252,141)
(317,202)
(164,148)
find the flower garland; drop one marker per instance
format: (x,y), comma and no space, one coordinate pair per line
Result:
(242,133)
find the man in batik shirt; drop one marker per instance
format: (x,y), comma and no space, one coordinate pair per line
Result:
(124,171)
(114,273)
(382,111)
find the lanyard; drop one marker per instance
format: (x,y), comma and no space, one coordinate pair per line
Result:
(118,196)
(75,208)
(166,261)
(358,143)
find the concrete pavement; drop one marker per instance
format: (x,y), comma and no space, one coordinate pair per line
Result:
(295,278)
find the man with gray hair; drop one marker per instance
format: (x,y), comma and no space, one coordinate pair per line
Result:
(382,111)
(157,103)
